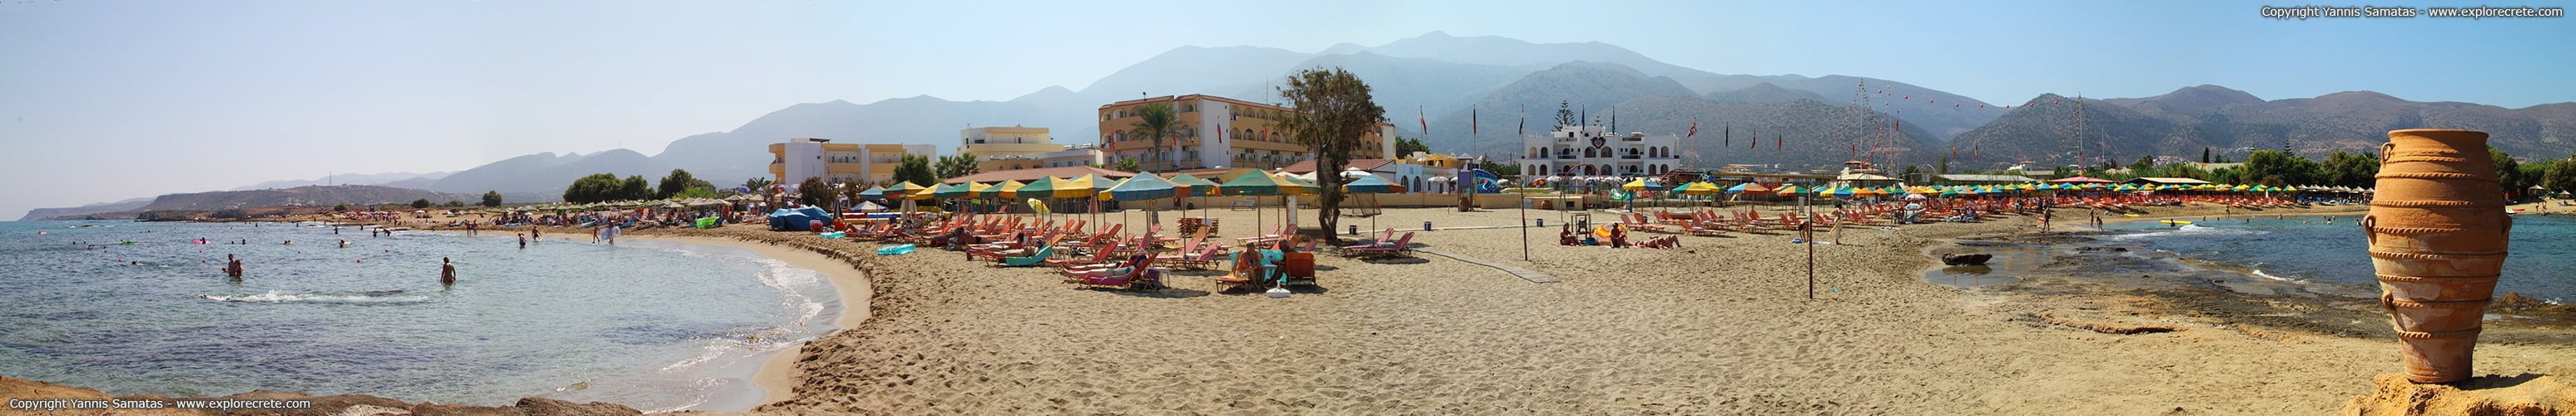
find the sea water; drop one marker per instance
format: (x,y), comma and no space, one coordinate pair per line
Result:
(656,326)
(2310,249)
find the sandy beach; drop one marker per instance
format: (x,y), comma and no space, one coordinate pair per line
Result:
(1722,325)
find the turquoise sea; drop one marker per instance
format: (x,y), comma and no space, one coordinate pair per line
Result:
(2541,263)
(656,326)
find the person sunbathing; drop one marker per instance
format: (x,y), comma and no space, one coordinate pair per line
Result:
(1565,236)
(1121,269)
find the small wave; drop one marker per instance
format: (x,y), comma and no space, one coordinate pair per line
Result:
(2189,230)
(372,297)
(2259,272)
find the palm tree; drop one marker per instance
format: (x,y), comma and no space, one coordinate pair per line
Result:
(1334,113)
(1157,124)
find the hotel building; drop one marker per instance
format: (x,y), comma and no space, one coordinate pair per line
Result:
(1015,147)
(807,157)
(1591,150)
(1215,132)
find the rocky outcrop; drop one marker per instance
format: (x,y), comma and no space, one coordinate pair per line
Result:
(2528,394)
(347,404)
(1969,259)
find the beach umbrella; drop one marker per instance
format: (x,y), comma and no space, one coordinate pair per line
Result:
(1635,185)
(1703,188)
(1298,186)
(1142,187)
(1371,184)
(1788,190)
(1845,192)
(951,191)
(922,194)
(1139,188)
(1255,183)
(899,189)
(1005,190)
(1193,185)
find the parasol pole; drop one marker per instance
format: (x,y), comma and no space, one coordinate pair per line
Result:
(1807,229)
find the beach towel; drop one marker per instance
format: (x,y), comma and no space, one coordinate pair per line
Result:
(895,250)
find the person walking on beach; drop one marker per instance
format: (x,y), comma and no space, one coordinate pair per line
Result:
(446,272)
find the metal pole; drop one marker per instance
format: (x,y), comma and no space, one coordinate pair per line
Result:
(1808,229)
(1525,251)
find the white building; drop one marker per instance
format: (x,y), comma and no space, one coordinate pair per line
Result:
(1591,150)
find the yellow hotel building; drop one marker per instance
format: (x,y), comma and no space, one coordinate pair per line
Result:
(1215,132)
(806,157)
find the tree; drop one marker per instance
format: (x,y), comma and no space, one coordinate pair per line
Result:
(914,169)
(1125,164)
(597,187)
(454,204)
(678,180)
(340,208)
(420,203)
(2143,163)
(2561,176)
(2277,168)
(956,165)
(1156,123)
(1912,173)
(635,189)
(2204,154)
(814,192)
(1499,169)
(491,198)
(758,185)
(2350,169)
(1334,113)
(1942,167)
(1410,146)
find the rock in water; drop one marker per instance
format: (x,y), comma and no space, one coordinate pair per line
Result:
(1971,259)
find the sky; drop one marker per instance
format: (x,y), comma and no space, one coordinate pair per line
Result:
(107,100)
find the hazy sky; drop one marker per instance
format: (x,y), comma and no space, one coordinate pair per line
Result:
(105,100)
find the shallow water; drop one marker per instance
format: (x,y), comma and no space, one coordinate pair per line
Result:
(652,325)
(2310,249)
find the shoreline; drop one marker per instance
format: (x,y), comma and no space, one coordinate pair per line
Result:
(776,377)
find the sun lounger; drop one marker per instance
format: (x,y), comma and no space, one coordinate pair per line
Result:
(1029,260)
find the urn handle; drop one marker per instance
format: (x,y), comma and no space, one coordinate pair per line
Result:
(2369,227)
(2383,152)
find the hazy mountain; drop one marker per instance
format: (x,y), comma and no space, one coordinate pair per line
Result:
(1589,87)
(1806,129)
(1765,93)
(348,179)
(85,210)
(2181,123)
(2044,130)
(1796,134)
(1508,52)
(306,196)
(1411,83)
(1944,114)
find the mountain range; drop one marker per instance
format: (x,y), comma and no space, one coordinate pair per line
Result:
(1444,79)
(2232,122)
(308,196)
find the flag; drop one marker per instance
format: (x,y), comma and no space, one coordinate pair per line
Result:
(1524,120)
(1472,129)
(1220,133)
(1694,129)
(1756,143)
(1426,120)
(1727,136)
